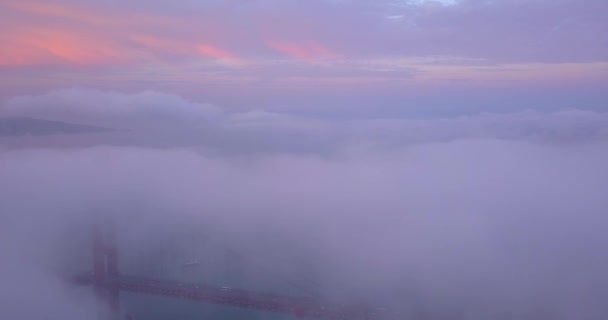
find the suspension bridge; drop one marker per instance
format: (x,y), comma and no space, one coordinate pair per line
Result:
(108,282)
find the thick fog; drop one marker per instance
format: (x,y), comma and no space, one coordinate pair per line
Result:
(480,217)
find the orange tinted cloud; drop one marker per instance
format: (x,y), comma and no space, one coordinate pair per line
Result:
(217,53)
(53,33)
(310,51)
(56,46)
(18,55)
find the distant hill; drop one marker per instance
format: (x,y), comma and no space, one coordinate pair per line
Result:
(38,127)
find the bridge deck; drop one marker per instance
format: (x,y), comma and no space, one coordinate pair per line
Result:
(299,306)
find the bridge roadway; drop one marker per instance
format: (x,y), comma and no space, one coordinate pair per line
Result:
(298,306)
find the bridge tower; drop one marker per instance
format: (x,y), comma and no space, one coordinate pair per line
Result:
(105,270)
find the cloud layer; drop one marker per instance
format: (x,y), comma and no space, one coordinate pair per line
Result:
(163,120)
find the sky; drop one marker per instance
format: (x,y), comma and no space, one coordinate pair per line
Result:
(328,57)
(440,159)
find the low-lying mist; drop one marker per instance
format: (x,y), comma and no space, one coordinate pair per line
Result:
(461,228)
(480,227)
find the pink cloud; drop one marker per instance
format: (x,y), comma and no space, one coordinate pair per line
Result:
(34,46)
(308,51)
(208,50)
